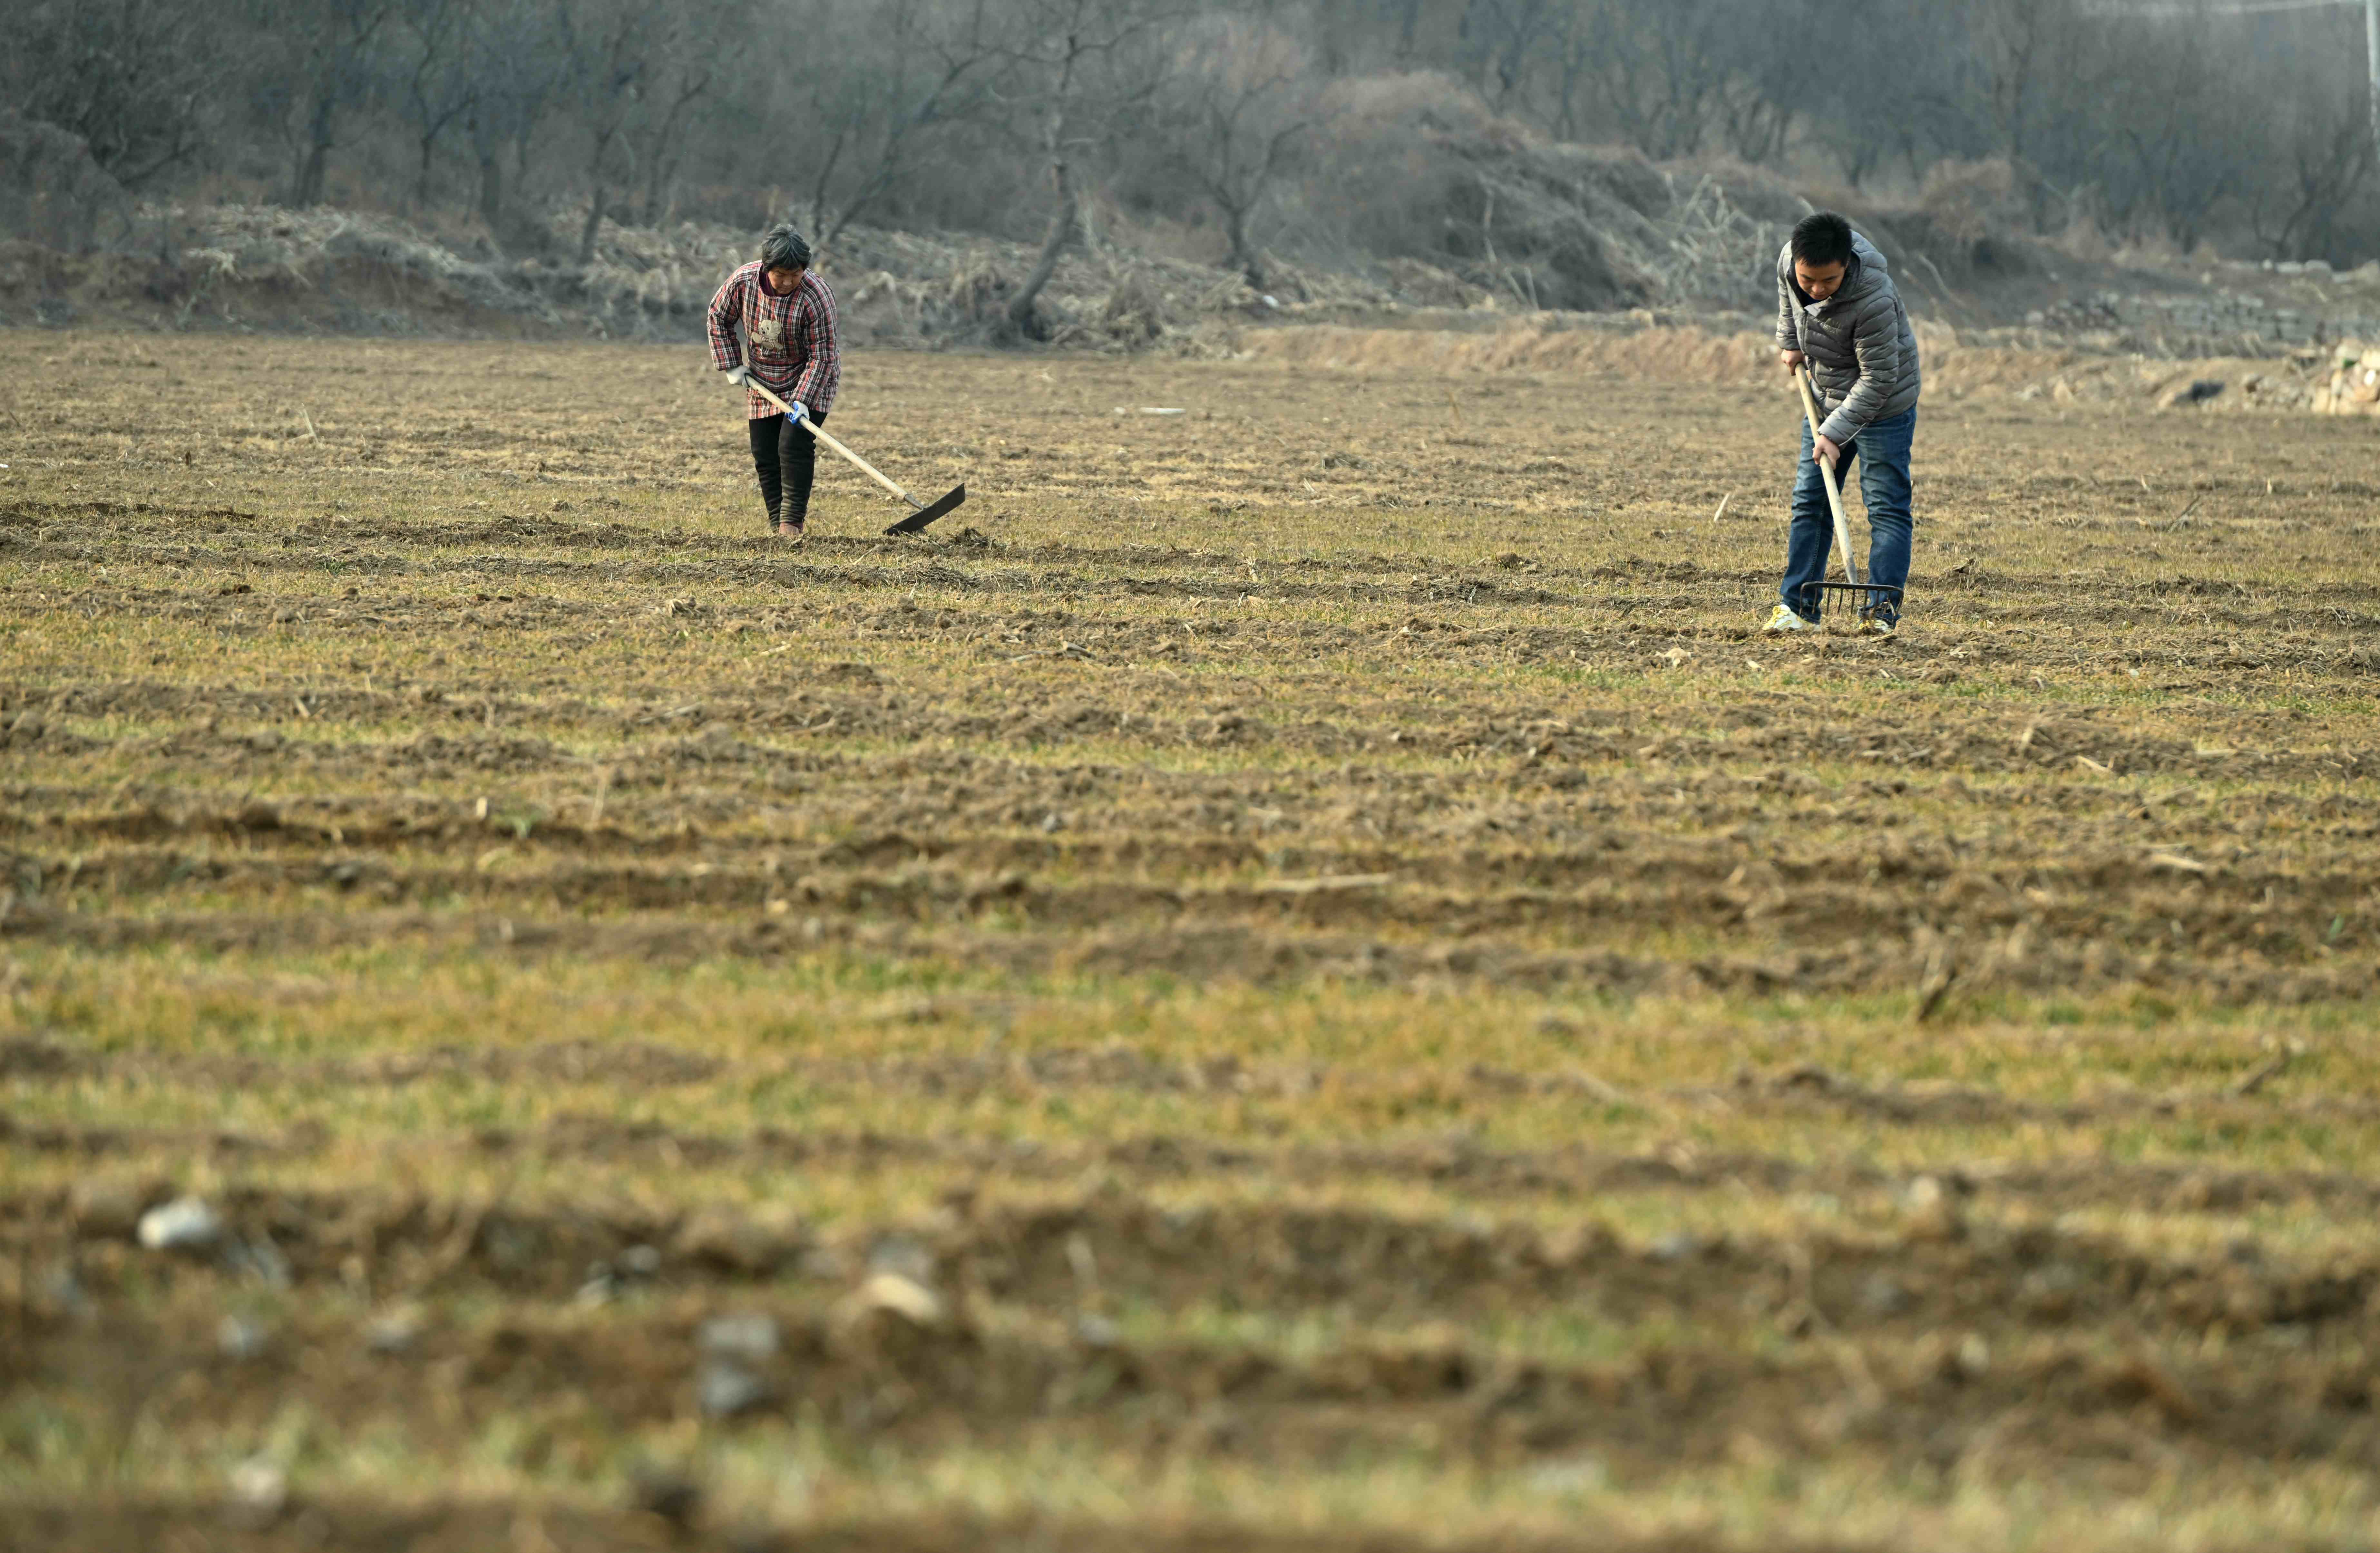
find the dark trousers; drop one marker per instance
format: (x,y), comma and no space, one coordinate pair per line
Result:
(785,457)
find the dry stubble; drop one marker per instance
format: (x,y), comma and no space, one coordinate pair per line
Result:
(1311,926)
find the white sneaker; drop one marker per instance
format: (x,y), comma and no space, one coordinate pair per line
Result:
(1783,621)
(1876,626)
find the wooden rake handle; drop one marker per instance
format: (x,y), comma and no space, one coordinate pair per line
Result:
(1825,475)
(870,470)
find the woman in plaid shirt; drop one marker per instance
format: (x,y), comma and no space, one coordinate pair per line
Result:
(789,313)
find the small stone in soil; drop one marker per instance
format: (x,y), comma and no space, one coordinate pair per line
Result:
(241,1337)
(723,1391)
(752,1337)
(184,1224)
(395,1332)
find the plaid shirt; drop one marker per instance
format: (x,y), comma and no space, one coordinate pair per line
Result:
(795,347)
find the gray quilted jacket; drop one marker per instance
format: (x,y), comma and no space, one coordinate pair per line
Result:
(1860,348)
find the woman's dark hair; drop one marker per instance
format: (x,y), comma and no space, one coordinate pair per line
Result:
(784,248)
(1822,239)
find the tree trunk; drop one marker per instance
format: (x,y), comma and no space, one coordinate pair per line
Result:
(2371,52)
(311,171)
(594,221)
(491,189)
(1062,226)
(1235,222)
(310,175)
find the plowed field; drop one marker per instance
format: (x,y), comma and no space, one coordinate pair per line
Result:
(1294,977)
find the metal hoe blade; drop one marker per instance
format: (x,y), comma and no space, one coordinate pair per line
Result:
(917,521)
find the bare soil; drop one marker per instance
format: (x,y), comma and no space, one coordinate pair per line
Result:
(1296,974)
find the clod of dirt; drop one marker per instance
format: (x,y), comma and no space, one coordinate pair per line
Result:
(1933,1215)
(2197,393)
(35,1058)
(110,1206)
(184,1224)
(668,1493)
(732,1243)
(1968,1359)
(1882,1295)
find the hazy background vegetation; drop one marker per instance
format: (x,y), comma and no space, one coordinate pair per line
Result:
(1318,129)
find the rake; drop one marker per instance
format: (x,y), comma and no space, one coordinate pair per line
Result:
(913,524)
(1850,599)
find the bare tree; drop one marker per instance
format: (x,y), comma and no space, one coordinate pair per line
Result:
(1570,59)
(132,77)
(514,67)
(2169,115)
(1660,69)
(1778,51)
(437,88)
(1504,38)
(635,71)
(2032,57)
(2329,157)
(327,48)
(679,77)
(1885,81)
(883,77)
(1068,51)
(1240,102)
(605,41)
(2331,162)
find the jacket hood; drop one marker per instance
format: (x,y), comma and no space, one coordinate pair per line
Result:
(1873,269)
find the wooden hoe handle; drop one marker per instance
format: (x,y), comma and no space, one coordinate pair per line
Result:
(1826,476)
(818,432)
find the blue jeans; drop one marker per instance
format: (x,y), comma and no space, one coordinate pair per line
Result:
(1883,453)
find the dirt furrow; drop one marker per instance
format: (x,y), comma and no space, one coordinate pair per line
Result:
(1928,1267)
(1573,1174)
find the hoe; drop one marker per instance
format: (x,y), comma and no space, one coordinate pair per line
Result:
(913,524)
(1850,597)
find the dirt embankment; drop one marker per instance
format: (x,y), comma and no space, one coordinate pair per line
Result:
(2020,364)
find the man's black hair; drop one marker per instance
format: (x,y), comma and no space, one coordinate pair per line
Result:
(784,249)
(1822,239)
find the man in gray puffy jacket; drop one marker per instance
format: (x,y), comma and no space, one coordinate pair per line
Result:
(1838,309)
